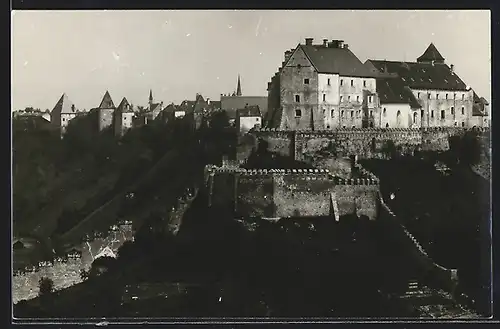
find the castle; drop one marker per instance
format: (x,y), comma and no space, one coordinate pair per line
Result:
(325,86)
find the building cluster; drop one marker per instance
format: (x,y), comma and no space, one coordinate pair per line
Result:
(325,86)
(318,87)
(244,111)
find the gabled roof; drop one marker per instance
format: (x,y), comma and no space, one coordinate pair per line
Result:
(124,106)
(333,60)
(232,103)
(64,105)
(249,111)
(420,75)
(395,91)
(431,54)
(107,102)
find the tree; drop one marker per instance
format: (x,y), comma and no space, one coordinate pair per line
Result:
(46,286)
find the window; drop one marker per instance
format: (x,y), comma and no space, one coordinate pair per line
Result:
(257,119)
(297,98)
(352,83)
(371,114)
(352,114)
(384,111)
(298,113)
(442,114)
(342,113)
(348,98)
(418,95)
(463,96)
(364,83)
(324,97)
(353,127)
(463,110)
(332,112)
(429,95)
(343,127)
(432,114)
(306,81)
(299,66)
(369,99)
(64,119)
(328,82)
(455,124)
(446,96)
(387,125)
(341,82)
(341,98)
(415,117)
(437,96)
(327,126)
(463,124)
(371,124)
(357,98)
(422,113)
(452,110)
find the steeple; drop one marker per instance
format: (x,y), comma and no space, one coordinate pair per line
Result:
(238,88)
(150,96)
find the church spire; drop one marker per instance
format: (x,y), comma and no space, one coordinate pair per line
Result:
(238,89)
(150,96)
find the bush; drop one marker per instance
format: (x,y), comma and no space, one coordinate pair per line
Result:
(46,286)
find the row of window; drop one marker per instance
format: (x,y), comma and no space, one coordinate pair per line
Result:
(306,82)
(297,98)
(429,96)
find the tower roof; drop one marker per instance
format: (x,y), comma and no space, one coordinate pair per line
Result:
(124,106)
(64,105)
(150,95)
(107,102)
(238,88)
(431,54)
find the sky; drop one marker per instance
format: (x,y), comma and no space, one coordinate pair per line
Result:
(180,53)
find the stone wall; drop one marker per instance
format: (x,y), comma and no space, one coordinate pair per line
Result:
(366,142)
(291,192)
(65,272)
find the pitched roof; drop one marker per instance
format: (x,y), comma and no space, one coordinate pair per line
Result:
(249,111)
(332,60)
(64,105)
(124,106)
(107,102)
(232,103)
(421,75)
(395,91)
(431,54)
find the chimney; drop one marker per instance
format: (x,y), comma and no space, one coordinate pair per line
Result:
(452,68)
(325,42)
(346,46)
(340,43)
(288,54)
(309,41)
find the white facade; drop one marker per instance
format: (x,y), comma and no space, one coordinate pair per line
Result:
(249,122)
(444,108)
(395,116)
(65,119)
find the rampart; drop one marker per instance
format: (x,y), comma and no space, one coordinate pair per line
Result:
(302,145)
(65,271)
(287,193)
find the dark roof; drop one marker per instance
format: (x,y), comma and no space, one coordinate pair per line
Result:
(340,61)
(431,54)
(107,102)
(232,103)
(249,111)
(64,105)
(395,91)
(421,75)
(484,101)
(214,105)
(124,106)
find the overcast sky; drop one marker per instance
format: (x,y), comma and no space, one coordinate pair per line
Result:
(180,53)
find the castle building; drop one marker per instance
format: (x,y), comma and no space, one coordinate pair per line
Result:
(231,103)
(64,111)
(325,86)
(106,112)
(321,86)
(123,117)
(444,99)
